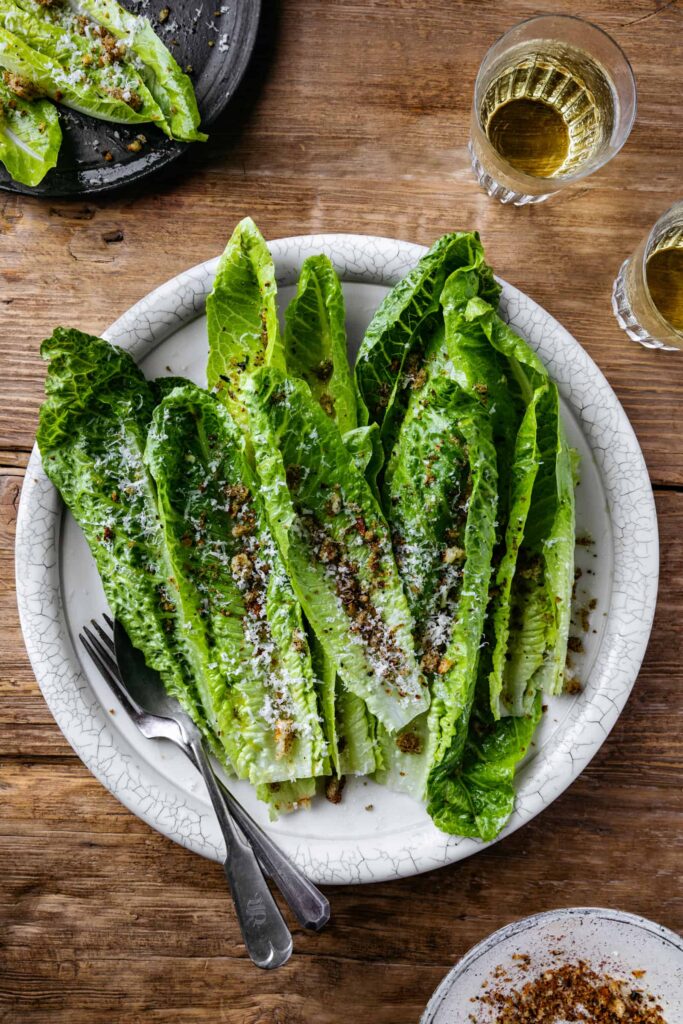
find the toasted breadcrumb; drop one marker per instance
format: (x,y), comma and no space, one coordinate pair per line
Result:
(568,992)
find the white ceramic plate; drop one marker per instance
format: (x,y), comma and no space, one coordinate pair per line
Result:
(59,589)
(609,941)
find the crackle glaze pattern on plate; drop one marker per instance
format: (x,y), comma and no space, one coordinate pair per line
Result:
(374,834)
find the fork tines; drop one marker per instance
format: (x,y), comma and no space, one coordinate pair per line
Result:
(101,649)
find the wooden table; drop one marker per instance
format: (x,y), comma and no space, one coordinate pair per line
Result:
(353,117)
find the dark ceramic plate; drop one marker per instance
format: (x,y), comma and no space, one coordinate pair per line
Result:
(230,25)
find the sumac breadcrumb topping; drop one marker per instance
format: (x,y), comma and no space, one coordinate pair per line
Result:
(129,96)
(113,50)
(285,734)
(409,743)
(355,596)
(323,371)
(334,787)
(568,992)
(22,87)
(327,403)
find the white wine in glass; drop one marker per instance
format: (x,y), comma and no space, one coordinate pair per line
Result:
(647,298)
(554,100)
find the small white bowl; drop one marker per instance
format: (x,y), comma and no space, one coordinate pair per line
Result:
(607,940)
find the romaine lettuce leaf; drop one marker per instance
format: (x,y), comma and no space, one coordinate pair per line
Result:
(522,471)
(30,137)
(242,317)
(542,589)
(390,355)
(316,351)
(480,369)
(530,608)
(336,547)
(315,341)
(56,33)
(426,494)
(486,374)
(441,497)
(243,335)
(240,623)
(558,554)
(170,87)
(92,434)
(473,794)
(31,74)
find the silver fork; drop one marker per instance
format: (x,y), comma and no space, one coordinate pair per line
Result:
(140,691)
(137,681)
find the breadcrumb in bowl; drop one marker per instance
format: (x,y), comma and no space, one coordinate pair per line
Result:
(572,965)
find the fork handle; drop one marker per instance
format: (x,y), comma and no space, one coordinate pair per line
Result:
(310,907)
(266,936)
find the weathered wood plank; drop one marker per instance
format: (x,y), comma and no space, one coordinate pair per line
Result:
(160,990)
(24,728)
(390,160)
(89,892)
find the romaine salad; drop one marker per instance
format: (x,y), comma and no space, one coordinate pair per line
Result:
(93,56)
(337,573)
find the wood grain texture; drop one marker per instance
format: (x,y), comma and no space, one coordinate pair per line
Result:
(353,117)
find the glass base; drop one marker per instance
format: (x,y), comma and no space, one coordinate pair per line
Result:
(626,318)
(500,192)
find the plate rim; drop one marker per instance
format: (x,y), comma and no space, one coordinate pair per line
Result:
(370,259)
